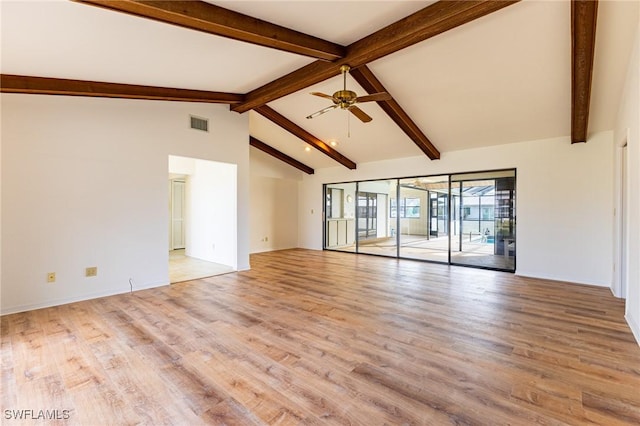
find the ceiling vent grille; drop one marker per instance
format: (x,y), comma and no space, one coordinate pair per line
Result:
(199,123)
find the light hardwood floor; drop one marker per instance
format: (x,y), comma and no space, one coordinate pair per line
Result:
(310,337)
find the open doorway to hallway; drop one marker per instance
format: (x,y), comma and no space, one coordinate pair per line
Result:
(202,226)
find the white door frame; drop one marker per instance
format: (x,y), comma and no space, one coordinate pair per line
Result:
(621,249)
(179,221)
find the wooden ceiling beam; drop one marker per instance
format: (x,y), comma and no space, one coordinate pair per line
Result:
(365,78)
(299,132)
(212,19)
(257,143)
(57,86)
(584,15)
(428,22)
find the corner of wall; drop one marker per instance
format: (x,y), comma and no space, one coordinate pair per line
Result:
(633,325)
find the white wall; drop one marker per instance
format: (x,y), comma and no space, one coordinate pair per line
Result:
(628,129)
(382,226)
(564,198)
(414,226)
(274,203)
(349,193)
(84,183)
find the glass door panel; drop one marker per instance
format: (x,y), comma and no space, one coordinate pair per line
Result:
(422,218)
(374,225)
(485,211)
(339,213)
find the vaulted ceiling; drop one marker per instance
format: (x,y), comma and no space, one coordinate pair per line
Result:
(462,74)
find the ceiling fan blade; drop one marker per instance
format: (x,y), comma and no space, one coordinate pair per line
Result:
(322,111)
(363,116)
(382,96)
(323,95)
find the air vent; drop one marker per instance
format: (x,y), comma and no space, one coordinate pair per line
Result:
(199,123)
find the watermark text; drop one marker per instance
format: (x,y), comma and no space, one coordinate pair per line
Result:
(37,414)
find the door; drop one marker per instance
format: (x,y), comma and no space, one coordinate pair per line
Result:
(486,213)
(177,214)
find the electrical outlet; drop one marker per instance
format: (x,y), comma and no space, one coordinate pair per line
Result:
(51,277)
(266,239)
(91,271)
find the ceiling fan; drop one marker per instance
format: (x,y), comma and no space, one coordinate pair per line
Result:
(347,99)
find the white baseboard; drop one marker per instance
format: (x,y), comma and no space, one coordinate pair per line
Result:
(550,278)
(78,298)
(635,329)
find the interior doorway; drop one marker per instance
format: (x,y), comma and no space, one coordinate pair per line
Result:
(202,218)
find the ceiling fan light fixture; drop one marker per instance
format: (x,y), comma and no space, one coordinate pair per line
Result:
(322,111)
(348,99)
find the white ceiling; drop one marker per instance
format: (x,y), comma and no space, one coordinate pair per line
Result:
(503,78)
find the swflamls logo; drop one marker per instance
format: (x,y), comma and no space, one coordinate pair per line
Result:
(37,414)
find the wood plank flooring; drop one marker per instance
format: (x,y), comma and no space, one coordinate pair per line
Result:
(309,337)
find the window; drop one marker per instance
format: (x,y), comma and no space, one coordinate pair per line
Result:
(409,207)
(367,215)
(487,213)
(412,207)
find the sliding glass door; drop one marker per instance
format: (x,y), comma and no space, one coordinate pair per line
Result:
(485,207)
(423,218)
(464,219)
(374,224)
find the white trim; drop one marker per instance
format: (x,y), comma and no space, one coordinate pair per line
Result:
(559,280)
(635,329)
(80,298)
(617,273)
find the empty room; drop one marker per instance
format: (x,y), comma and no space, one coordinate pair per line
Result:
(320,212)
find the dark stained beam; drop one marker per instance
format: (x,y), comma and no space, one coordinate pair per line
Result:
(257,143)
(208,18)
(58,86)
(426,23)
(371,84)
(298,131)
(584,14)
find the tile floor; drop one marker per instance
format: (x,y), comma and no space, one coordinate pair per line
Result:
(185,268)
